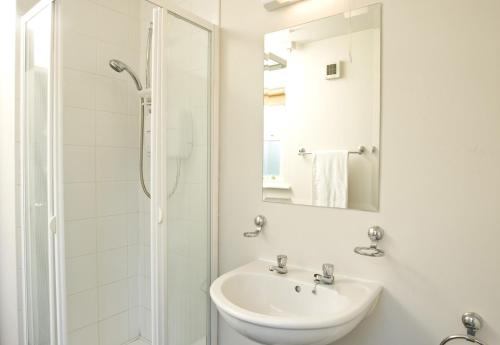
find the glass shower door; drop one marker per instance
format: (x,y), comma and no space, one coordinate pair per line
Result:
(36,177)
(188,181)
(185,180)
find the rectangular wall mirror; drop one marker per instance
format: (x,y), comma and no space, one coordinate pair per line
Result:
(322,112)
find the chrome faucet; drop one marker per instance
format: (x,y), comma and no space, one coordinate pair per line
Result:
(281,268)
(327,277)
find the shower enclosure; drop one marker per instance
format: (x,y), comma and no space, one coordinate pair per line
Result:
(118,170)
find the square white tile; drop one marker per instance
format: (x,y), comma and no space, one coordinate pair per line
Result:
(80,237)
(133,228)
(116,164)
(133,128)
(145,293)
(79,164)
(133,291)
(114,331)
(112,265)
(79,89)
(85,336)
(145,323)
(112,198)
(133,191)
(112,129)
(112,232)
(82,309)
(80,200)
(80,52)
(80,16)
(133,260)
(79,126)
(133,323)
(117,28)
(111,95)
(113,299)
(81,273)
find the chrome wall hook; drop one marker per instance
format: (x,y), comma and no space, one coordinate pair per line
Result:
(259,222)
(375,234)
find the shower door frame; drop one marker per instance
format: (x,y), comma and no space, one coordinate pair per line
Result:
(159,167)
(55,190)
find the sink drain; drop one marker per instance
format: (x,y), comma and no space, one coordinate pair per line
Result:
(298,288)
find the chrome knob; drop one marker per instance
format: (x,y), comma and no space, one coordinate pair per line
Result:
(375,233)
(259,221)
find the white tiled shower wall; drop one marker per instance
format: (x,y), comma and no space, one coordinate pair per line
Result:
(101,150)
(108,249)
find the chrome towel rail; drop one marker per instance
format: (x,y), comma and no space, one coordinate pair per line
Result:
(361,150)
(473,323)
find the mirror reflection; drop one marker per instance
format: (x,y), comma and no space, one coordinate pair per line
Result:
(322,112)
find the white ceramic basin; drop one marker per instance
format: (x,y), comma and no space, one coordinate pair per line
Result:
(266,307)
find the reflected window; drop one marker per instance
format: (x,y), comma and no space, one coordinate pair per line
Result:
(274,116)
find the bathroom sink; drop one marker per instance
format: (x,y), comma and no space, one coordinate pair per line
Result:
(281,309)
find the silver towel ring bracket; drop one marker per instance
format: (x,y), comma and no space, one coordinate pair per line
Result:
(473,323)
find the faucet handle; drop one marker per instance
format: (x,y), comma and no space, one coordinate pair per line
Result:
(282,259)
(328,270)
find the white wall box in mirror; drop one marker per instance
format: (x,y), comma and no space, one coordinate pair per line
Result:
(322,111)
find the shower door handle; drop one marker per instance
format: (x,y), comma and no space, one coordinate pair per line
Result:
(160,215)
(52,225)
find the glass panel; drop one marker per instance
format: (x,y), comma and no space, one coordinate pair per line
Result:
(36,96)
(188,180)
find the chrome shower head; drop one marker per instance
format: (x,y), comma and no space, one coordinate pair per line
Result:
(117,65)
(120,66)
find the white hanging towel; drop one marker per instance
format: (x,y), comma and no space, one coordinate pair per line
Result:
(330,178)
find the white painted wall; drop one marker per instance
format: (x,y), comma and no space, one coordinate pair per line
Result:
(439,169)
(8,268)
